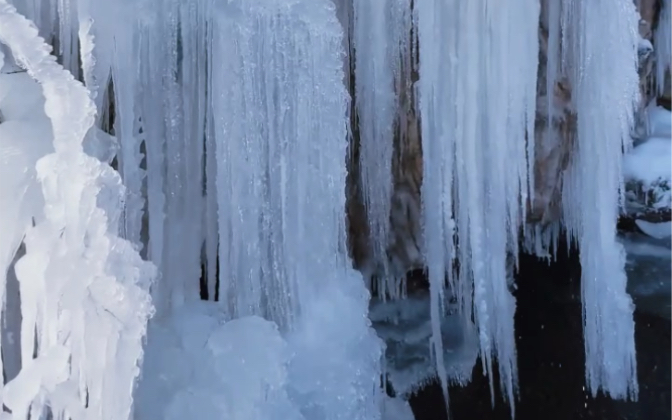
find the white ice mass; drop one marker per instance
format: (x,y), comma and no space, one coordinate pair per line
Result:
(173,233)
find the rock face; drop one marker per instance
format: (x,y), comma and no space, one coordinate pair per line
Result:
(554,138)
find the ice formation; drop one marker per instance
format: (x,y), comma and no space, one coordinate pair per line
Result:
(476,166)
(79,349)
(381,40)
(227,124)
(594,182)
(274,191)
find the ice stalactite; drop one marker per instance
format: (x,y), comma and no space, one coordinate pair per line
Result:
(437,80)
(124,63)
(476,160)
(601,62)
(376,58)
(87,345)
(663,44)
(152,48)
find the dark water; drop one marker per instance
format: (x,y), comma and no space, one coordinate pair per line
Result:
(551,359)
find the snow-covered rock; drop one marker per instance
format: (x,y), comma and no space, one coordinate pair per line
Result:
(647,168)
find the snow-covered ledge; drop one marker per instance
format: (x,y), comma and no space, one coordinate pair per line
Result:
(647,170)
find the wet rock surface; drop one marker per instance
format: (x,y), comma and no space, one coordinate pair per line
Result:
(551,359)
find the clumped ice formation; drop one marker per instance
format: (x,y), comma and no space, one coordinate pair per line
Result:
(83,290)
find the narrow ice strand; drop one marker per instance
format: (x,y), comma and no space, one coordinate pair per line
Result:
(437,168)
(86,44)
(662,41)
(375,101)
(153,47)
(68,29)
(193,92)
(124,64)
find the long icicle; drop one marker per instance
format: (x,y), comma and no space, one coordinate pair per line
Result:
(593,183)
(375,101)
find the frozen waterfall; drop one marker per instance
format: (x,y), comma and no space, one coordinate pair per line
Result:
(173,197)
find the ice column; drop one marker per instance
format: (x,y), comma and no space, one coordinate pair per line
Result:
(281,141)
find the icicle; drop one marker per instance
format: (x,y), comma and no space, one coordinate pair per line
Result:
(603,62)
(125,61)
(153,48)
(437,145)
(662,41)
(86,43)
(68,39)
(376,59)
(192,73)
(476,154)
(211,228)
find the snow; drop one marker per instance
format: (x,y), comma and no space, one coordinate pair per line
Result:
(647,168)
(655,230)
(650,161)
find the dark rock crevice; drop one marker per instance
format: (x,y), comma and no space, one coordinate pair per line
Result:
(549,339)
